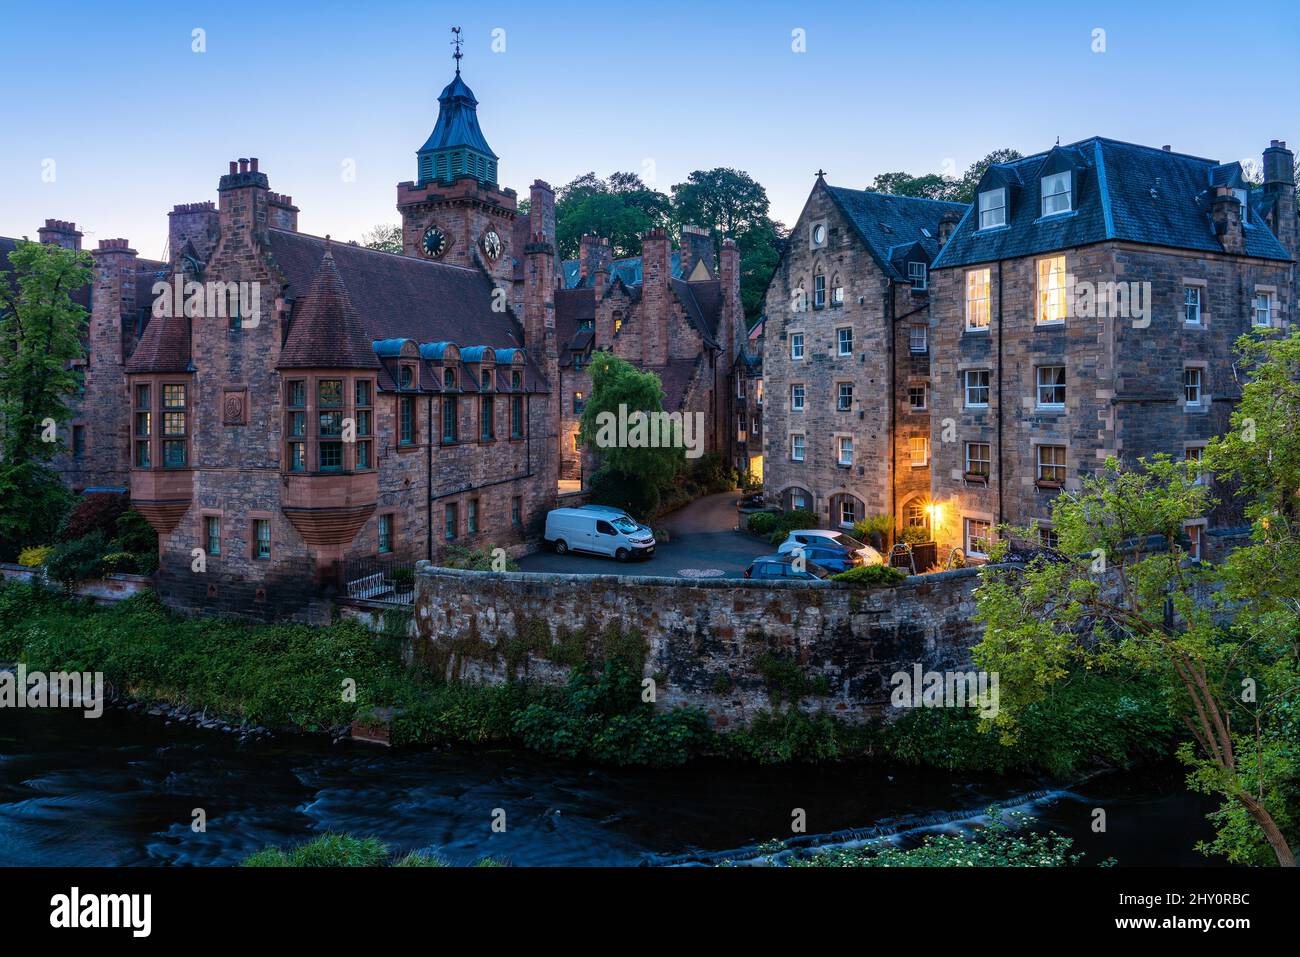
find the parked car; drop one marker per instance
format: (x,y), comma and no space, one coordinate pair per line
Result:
(825,538)
(582,530)
(616,512)
(830,557)
(753,502)
(771,567)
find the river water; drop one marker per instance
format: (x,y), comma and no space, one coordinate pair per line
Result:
(122,790)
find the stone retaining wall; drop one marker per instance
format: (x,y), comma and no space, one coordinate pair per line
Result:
(709,642)
(113,587)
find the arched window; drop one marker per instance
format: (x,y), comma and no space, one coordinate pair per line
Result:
(846,510)
(796,500)
(915,514)
(837,291)
(449,378)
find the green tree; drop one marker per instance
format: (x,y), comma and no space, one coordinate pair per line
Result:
(935,186)
(1122,593)
(41,332)
(386,237)
(630,471)
(734,205)
(619,208)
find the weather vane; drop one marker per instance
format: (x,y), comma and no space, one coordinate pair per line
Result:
(455,42)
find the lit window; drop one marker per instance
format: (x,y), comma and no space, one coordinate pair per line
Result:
(1056,193)
(261,538)
(1051,464)
(846,450)
(918,339)
(916,398)
(1193,542)
(977,299)
(1192,386)
(1051,289)
(917,515)
(796,398)
(844,338)
(919,447)
(796,345)
(1263,310)
(993,208)
(844,400)
(978,536)
(1051,387)
(1192,305)
(578,403)
(977,388)
(916,275)
(796,448)
(978,458)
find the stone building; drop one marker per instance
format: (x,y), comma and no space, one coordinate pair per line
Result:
(747,405)
(676,313)
(1087,306)
(846,357)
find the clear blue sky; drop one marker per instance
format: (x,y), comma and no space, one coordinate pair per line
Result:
(135,121)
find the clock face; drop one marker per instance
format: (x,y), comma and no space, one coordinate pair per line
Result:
(492,244)
(435,243)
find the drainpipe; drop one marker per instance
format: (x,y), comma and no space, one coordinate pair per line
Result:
(893,403)
(1001,474)
(428,483)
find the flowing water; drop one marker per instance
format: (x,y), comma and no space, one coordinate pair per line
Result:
(122,790)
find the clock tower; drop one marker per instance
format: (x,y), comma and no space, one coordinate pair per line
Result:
(454,211)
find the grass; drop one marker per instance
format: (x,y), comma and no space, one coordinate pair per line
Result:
(345,850)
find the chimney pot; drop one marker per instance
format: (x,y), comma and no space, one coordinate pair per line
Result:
(1166,148)
(252,165)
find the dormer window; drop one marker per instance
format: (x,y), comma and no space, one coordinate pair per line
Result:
(993,208)
(916,275)
(1056,193)
(448,379)
(408,377)
(1245,209)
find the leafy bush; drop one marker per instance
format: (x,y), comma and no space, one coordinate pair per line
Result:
(344,850)
(133,533)
(711,474)
(871,576)
(120,562)
(914,535)
(77,560)
(873,529)
(478,560)
(35,556)
(791,736)
(761,523)
(95,513)
(631,493)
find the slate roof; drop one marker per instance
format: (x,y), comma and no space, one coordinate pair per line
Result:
(401,297)
(1125,192)
(628,270)
(885,222)
(326,331)
(457,124)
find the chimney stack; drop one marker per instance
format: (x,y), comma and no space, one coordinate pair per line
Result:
(733,310)
(1226,213)
(656,299)
(242,197)
(594,255)
(1279,188)
(947,226)
(60,232)
(697,246)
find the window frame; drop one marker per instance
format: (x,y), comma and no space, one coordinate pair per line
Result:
(1051,387)
(987,387)
(1001,193)
(1051,298)
(1067,177)
(977,280)
(841,340)
(972,462)
(1043,469)
(1198,374)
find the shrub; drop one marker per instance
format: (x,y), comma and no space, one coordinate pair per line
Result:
(35,556)
(913,535)
(77,560)
(460,556)
(329,850)
(761,523)
(120,562)
(631,493)
(711,474)
(873,529)
(133,533)
(871,576)
(97,512)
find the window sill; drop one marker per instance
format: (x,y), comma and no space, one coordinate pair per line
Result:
(977,478)
(1050,409)
(1048,323)
(975,408)
(1051,486)
(976,330)
(1052,217)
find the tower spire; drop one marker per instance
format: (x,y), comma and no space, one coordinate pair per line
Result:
(456,42)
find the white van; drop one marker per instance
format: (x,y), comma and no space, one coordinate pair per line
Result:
(581,530)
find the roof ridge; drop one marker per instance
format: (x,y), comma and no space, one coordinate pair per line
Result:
(377,252)
(919,199)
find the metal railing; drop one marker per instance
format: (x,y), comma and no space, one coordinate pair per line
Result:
(377,579)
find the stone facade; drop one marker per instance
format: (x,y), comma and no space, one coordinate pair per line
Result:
(846,360)
(1025,408)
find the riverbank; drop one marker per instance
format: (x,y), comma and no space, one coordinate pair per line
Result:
(294,678)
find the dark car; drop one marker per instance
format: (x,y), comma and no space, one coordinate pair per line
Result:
(832,558)
(781,567)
